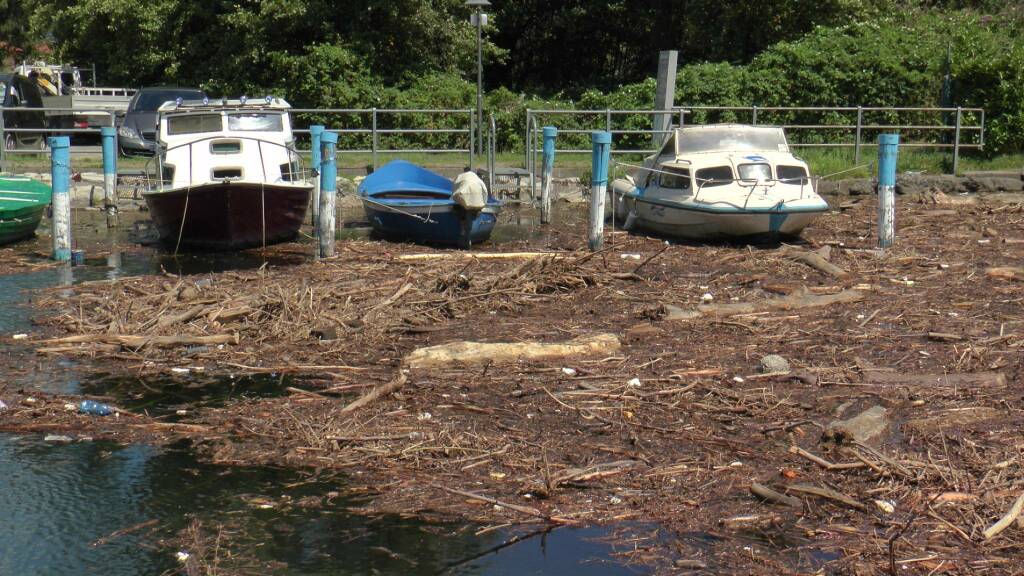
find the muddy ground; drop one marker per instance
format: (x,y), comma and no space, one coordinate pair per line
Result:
(890,444)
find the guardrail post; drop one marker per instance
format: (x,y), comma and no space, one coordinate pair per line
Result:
(856,146)
(373,140)
(550,133)
(316,132)
(956,139)
(108,134)
(328,187)
(754,115)
(888,150)
(602,143)
(60,171)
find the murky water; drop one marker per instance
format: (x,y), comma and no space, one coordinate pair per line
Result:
(62,505)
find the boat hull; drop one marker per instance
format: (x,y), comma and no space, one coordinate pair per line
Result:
(21,226)
(228,216)
(441,222)
(22,203)
(696,222)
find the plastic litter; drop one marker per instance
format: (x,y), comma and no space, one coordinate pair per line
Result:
(96,408)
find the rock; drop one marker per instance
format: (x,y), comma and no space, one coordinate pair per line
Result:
(188,293)
(774,363)
(863,427)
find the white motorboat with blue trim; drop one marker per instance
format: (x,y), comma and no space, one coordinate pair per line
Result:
(719,181)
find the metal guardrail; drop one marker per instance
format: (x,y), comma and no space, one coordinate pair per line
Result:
(950,122)
(377,122)
(9,130)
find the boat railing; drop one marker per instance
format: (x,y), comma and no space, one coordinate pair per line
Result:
(297,170)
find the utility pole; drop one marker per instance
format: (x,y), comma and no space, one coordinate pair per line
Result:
(479,19)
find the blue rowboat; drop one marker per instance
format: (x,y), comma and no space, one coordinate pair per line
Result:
(404,201)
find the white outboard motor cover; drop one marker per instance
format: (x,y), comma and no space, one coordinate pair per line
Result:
(469,191)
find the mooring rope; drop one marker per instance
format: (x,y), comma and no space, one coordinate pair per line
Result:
(263,199)
(393,209)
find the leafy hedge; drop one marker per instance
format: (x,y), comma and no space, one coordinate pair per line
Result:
(898,61)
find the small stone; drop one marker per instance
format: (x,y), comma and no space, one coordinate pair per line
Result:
(569,371)
(774,363)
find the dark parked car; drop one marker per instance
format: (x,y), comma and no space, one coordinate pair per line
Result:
(137,134)
(18,96)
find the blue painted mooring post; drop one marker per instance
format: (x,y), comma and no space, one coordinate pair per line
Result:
(315,132)
(550,133)
(602,144)
(328,187)
(60,170)
(888,149)
(108,136)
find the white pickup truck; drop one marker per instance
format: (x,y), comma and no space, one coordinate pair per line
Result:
(86,106)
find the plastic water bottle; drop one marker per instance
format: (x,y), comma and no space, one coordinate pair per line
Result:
(93,407)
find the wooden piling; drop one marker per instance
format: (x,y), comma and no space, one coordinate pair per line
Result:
(60,169)
(108,136)
(888,149)
(328,188)
(550,133)
(602,143)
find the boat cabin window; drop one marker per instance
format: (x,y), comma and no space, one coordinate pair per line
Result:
(225,147)
(676,178)
(714,176)
(255,122)
(757,172)
(792,174)
(227,173)
(194,124)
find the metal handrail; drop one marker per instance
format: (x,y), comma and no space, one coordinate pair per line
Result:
(304,173)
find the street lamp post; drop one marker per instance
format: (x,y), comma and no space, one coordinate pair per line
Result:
(479,19)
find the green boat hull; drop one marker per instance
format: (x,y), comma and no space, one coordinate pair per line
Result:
(22,203)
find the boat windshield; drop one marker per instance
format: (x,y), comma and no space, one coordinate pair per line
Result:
(255,122)
(732,138)
(194,124)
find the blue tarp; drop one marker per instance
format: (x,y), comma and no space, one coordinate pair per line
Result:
(402,176)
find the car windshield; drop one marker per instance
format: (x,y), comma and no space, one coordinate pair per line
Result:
(150,101)
(732,139)
(255,122)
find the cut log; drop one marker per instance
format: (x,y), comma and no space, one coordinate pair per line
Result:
(133,341)
(791,302)
(172,319)
(964,379)
(480,255)
(480,352)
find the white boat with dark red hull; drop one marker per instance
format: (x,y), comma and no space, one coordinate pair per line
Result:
(719,181)
(230,177)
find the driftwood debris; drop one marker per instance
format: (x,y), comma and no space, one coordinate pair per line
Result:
(766,493)
(814,260)
(1006,273)
(1006,520)
(794,301)
(995,379)
(497,352)
(826,493)
(134,341)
